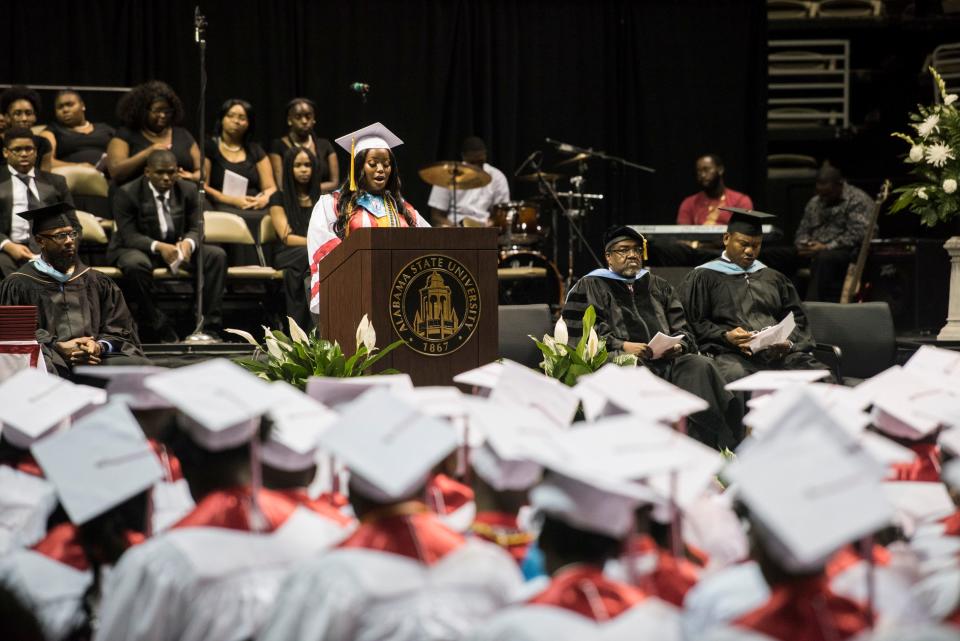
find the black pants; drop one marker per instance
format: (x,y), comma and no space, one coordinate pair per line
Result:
(736,366)
(293,262)
(828,268)
(138,269)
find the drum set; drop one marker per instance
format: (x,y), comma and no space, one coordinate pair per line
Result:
(528,240)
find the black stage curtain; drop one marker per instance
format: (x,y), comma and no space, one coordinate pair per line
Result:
(656,82)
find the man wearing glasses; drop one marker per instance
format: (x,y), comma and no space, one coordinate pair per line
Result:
(82,317)
(632,306)
(23,187)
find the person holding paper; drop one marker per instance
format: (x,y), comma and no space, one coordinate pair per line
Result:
(369,198)
(639,313)
(730,299)
(83,318)
(158,225)
(237,169)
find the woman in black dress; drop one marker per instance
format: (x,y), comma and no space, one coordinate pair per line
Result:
(150,114)
(21,105)
(290,211)
(231,149)
(74,139)
(301,117)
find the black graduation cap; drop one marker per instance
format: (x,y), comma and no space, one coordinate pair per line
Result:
(621,232)
(747,221)
(50,217)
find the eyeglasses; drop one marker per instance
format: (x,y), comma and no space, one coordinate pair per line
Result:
(626,251)
(62,236)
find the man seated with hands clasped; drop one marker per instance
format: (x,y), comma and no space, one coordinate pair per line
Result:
(158,225)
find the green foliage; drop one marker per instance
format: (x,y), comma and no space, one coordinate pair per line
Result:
(297,357)
(934,160)
(567,364)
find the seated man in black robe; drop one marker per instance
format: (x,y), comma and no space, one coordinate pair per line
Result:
(632,305)
(730,298)
(83,319)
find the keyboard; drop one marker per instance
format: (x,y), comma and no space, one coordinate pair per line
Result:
(688,232)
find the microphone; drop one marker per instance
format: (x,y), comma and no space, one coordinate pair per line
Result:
(526,162)
(360,87)
(562,146)
(199,22)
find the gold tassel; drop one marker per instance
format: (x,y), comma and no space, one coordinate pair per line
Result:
(644,248)
(353,180)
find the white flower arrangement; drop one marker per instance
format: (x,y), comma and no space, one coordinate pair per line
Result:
(933,160)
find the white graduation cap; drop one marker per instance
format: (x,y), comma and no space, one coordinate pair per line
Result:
(898,418)
(337,391)
(602,506)
(936,361)
(34,404)
(773,379)
(388,446)
(103,461)
(951,474)
(127,383)
(222,402)
(374,136)
(512,435)
(949,441)
(917,503)
(484,377)
(298,421)
(521,385)
(635,390)
(810,487)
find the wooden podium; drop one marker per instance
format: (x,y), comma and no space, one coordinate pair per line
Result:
(436,288)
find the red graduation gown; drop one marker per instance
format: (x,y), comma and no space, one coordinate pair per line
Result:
(585,590)
(407,529)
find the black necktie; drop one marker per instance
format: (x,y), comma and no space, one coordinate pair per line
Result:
(32,201)
(165,212)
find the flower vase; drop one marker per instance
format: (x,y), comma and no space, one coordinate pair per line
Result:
(951,331)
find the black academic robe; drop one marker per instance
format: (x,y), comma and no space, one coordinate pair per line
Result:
(719,302)
(89,304)
(635,313)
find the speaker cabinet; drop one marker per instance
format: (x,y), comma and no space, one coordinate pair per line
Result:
(912,275)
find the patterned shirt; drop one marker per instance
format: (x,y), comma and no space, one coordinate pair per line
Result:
(838,226)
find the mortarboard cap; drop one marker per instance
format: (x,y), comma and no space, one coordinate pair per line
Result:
(635,390)
(103,461)
(337,391)
(298,421)
(484,377)
(50,217)
(771,380)
(34,404)
(388,446)
(588,503)
(747,221)
(949,441)
(374,136)
(126,383)
(617,233)
(523,386)
(810,487)
(222,402)
(512,435)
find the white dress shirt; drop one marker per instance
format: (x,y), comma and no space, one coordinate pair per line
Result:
(473,203)
(159,200)
(19,226)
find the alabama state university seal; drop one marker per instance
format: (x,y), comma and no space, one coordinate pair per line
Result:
(435,304)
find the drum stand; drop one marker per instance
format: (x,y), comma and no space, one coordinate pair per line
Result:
(572,226)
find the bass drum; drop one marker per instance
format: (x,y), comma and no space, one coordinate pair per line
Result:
(527,277)
(519,223)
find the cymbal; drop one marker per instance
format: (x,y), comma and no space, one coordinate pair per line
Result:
(537,175)
(447,172)
(573,159)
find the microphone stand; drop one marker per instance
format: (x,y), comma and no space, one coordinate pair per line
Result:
(602,155)
(548,188)
(199,337)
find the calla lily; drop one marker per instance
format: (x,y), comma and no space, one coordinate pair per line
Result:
(370,337)
(273,348)
(296,332)
(593,344)
(247,336)
(560,332)
(550,342)
(362,330)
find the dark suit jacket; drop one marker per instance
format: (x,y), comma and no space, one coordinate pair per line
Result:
(51,187)
(138,224)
